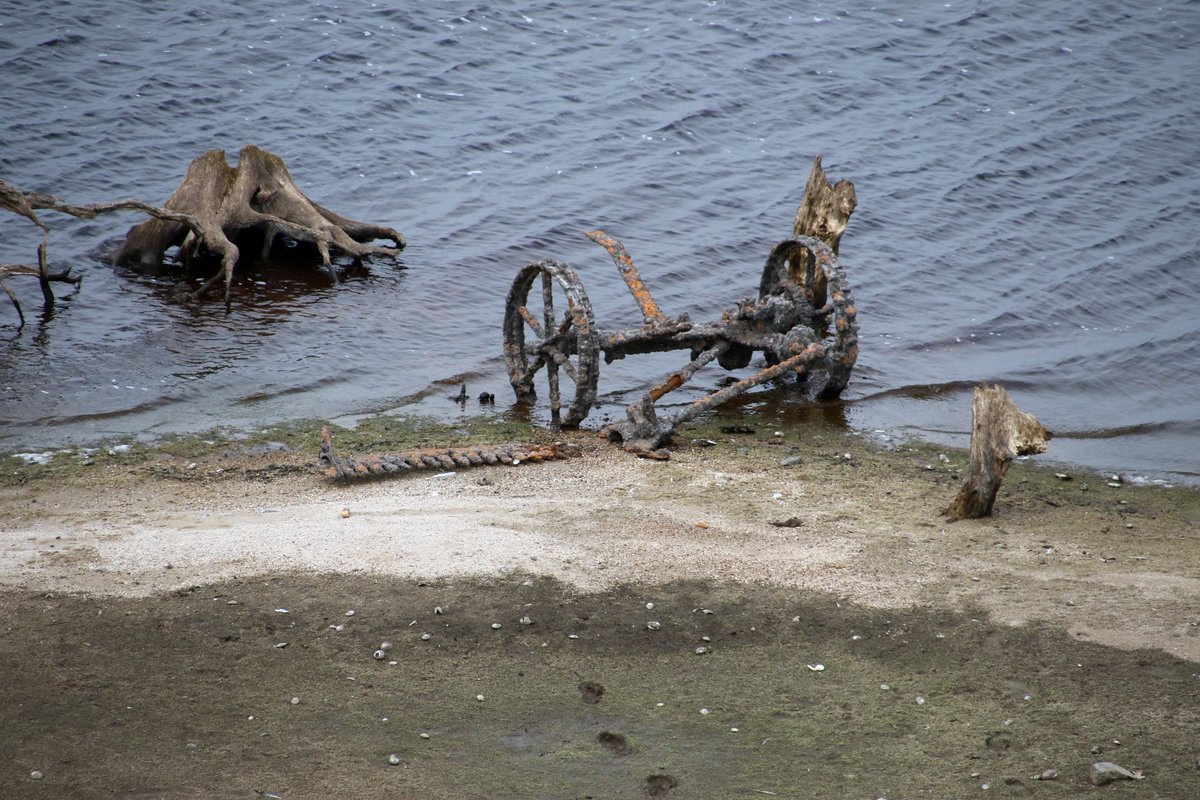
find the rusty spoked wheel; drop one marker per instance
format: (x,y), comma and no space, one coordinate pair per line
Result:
(808,269)
(556,330)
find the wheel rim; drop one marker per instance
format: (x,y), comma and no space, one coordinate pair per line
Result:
(841,323)
(555,332)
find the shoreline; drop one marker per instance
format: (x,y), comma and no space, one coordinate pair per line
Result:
(153,519)
(710,626)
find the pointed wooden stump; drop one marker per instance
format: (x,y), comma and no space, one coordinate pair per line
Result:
(999,433)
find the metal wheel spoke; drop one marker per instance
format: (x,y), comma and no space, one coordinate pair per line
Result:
(536,338)
(531,321)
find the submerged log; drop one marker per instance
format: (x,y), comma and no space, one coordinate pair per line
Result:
(213,206)
(259,195)
(999,433)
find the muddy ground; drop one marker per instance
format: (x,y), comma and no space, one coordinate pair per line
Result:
(201,620)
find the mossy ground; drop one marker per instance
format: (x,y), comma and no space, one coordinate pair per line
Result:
(189,695)
(192,695)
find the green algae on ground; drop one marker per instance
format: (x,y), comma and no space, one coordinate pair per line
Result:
(292,445)
(269,686)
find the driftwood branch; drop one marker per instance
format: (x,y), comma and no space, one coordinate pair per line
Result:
(999,433)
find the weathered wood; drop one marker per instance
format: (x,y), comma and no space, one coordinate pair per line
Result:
(14,200)
(823,214)
(209,210)
(259,194)
(825,209)
(999,432)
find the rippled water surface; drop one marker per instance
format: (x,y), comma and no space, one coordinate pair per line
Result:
(1027,176)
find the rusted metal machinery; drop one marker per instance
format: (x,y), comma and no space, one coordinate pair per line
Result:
(549,326)
(447,458)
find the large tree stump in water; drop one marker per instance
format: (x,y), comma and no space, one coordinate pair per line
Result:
(258,195)
(999,433)
(210,209)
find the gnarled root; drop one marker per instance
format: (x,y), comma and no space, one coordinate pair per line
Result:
(215,203)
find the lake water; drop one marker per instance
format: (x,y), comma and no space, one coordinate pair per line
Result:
(1027,176)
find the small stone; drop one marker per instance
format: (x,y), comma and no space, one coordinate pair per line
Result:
(393,759)
(701,651)
(496,626)
(1106,772)
(573,636)
(791,461)
(424,735)
(339,627)
(281,645)
(479,697)
(425,637)
(350,613)
(439,610)
(705,711)
(385,646)
(920,701)
(1046,775)
(649,606)
(344,513)
(705,638)
(295,701)
(654,625)
(525,621)
(37,774)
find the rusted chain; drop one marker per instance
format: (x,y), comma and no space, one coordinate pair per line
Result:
(448,458)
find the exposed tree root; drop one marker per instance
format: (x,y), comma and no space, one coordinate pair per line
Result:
(213,206)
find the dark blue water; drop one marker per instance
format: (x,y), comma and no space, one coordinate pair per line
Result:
(1027,176)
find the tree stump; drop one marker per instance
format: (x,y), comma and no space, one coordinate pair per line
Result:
(823,214)
(999,432)
(258,195)
(212,208)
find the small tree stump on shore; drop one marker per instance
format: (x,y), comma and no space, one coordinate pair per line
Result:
(999,433)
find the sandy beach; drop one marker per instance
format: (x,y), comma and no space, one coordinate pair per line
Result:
(807,630)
